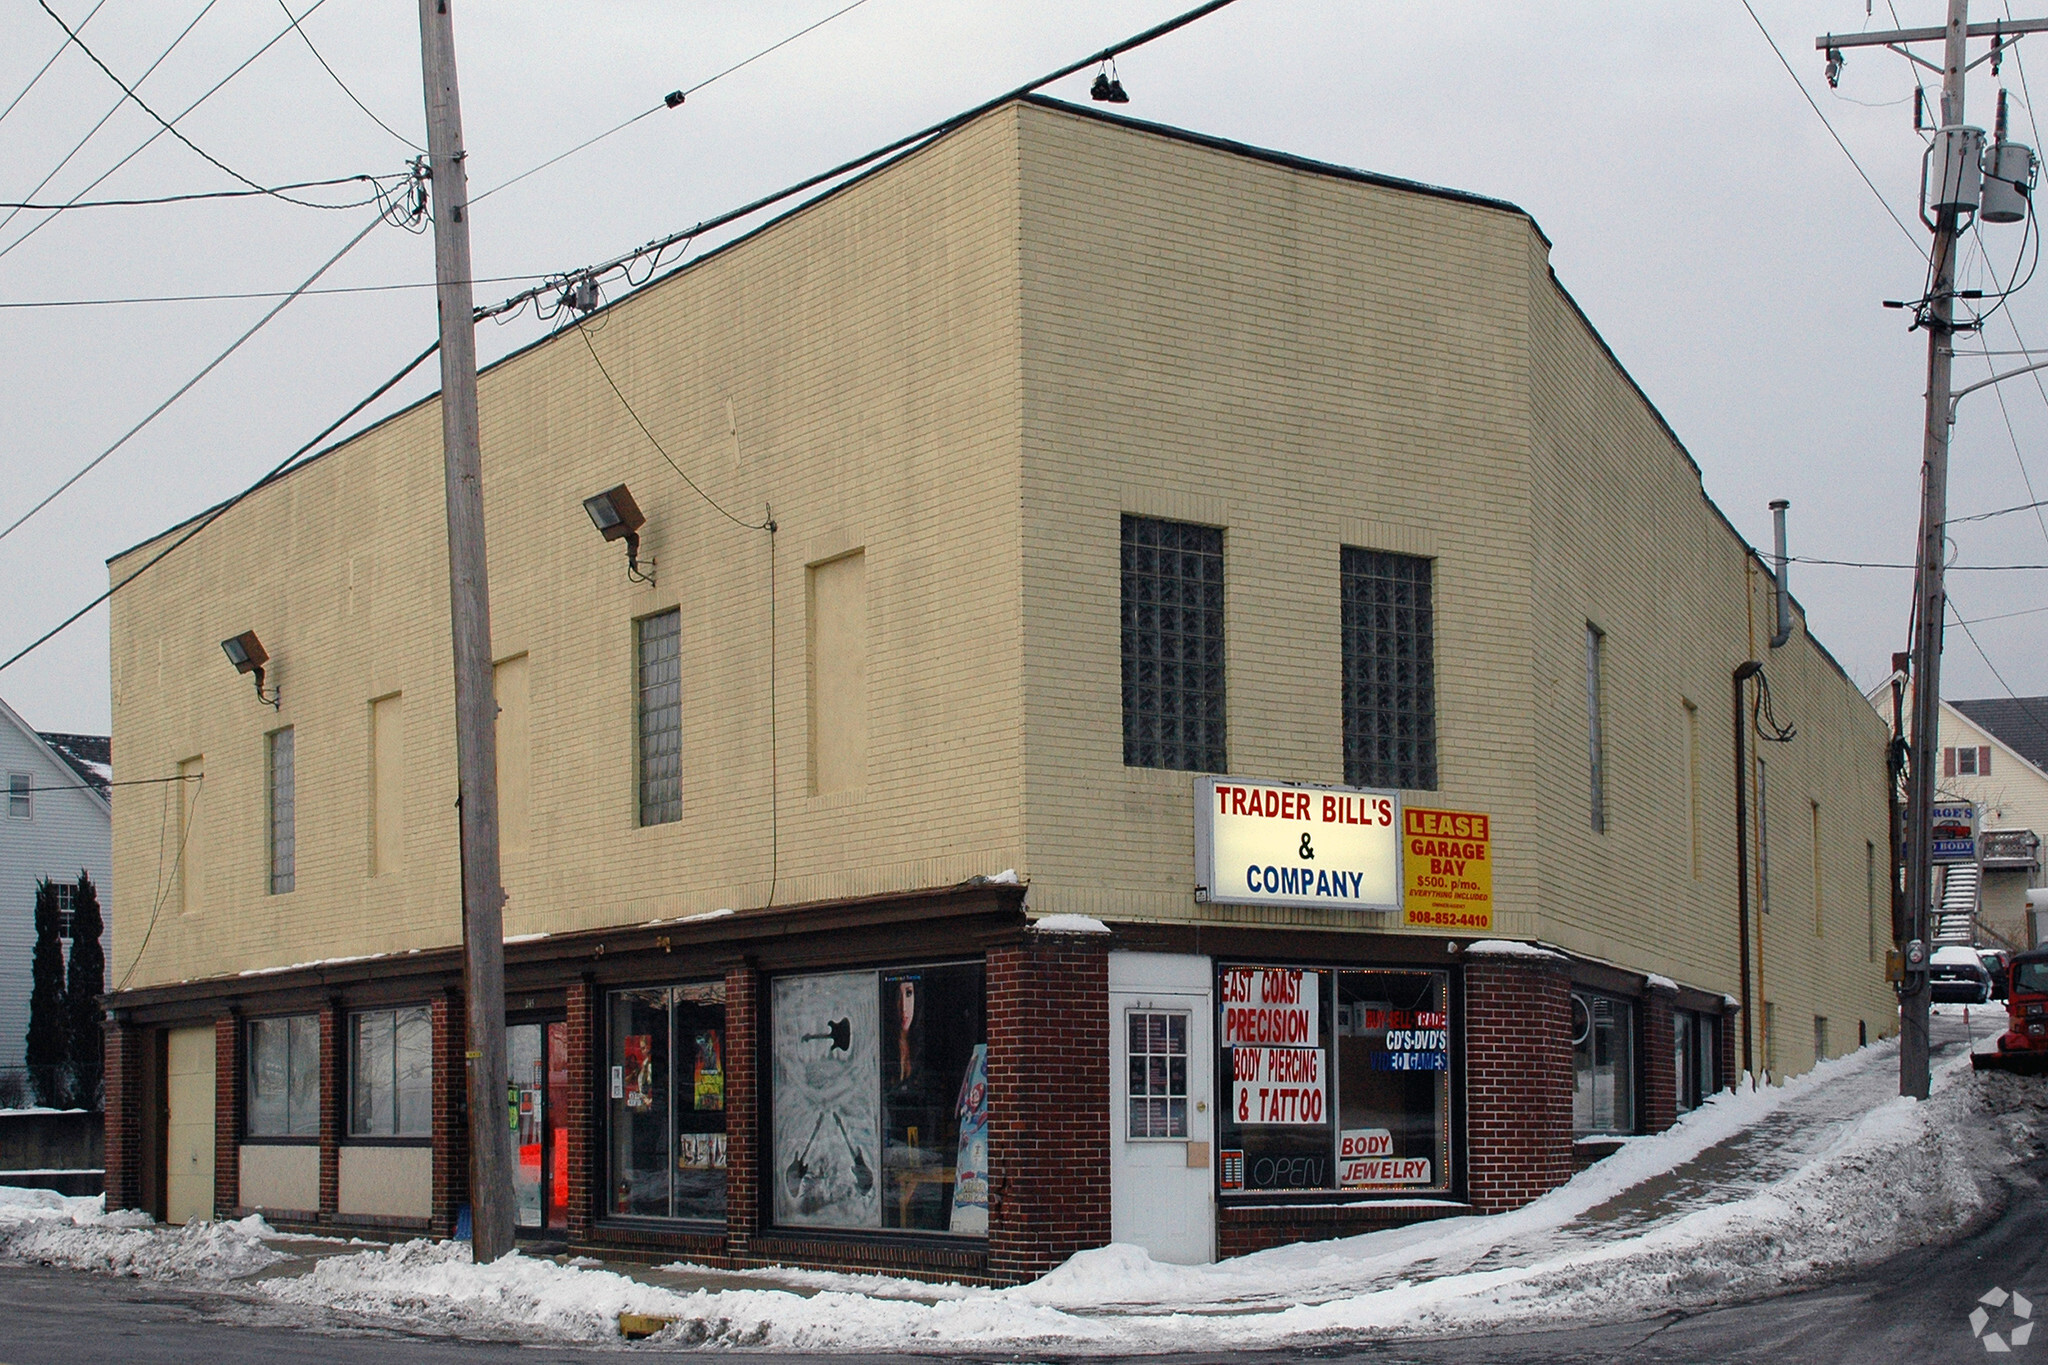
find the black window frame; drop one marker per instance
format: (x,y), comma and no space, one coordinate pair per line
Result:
(1173,721)
(1388,630)
(246,1099)
(349,1066)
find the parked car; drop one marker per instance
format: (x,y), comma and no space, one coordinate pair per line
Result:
(1957,976)
(1998,962)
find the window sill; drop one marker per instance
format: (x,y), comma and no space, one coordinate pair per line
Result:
(368,1141)
(277,1140)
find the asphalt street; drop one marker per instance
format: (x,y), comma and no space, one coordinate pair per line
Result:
(1913,1308)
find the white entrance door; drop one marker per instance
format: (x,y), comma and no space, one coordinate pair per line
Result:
(188,1140)
(1161,1120)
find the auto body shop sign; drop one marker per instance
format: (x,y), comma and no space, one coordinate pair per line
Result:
(1273,843)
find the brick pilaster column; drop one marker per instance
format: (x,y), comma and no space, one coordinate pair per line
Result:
(1730,1025)
(743,1081)
(332,1115)
(125,1045)
(1048,1077)
(451,1113)
(578,1127)
(1518,1079)
(1660,1060)
(227,1115)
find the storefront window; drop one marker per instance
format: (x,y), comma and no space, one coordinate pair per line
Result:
(1338,1080)
(391,1066)
(880,1099)
(284,1077)
(1603,1064)
(1696,1040)
(667,1101)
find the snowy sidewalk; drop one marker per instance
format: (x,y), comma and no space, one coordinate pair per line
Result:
(1751,1194)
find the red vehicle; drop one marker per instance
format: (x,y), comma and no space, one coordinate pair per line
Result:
(2024,1044)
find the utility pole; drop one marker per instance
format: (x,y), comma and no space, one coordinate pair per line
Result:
(1952,178)
(469,599)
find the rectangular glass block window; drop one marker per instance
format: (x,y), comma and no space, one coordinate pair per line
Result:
(1173,645)
(1389,628)
(284,1077)
(391,1073)
(283,839)
(1159,1074)
(661,718)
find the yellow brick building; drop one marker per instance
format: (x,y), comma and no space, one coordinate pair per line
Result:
(911,761)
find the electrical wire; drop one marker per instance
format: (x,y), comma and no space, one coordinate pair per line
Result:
(1952,568)
(2024,702)
(44,70)
(89,787)
(2007,615)
(190,818)
(112,109)
(143,105)
(906,144)
(367,111)
(257,294)
(1817,113)
(673,101)
(613,384)
(207,519)
(2000,512)
(150,141)
(208,194)
(187,386)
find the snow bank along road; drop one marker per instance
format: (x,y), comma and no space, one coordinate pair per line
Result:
(1755,1194)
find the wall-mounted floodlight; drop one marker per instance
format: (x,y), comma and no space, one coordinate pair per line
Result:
(618,517)
(248,655)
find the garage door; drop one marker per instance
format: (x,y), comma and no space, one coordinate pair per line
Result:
(188,1137)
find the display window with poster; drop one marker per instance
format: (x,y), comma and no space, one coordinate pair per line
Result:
(879,1099)
(665,1090)
(1334,1079)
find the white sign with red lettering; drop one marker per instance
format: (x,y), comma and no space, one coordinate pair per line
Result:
(1278,1085)
(1276,843)
(1271,1007)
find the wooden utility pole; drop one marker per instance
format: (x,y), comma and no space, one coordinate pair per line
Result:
(469,600)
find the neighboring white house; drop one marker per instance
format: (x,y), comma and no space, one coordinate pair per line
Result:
(1994,752)
(56,821)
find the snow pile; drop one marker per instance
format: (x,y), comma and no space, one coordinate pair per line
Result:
(76,1232)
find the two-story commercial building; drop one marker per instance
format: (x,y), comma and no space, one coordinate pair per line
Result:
(1166,693)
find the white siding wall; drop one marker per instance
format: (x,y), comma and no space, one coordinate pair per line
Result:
(67,830)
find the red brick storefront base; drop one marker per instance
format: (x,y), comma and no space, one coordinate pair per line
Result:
(1660,1059)
(451,1114)
(227,1116)
(124,1053)
(1518,1078)
(742,1111)
(578,1124)
(1048,1074)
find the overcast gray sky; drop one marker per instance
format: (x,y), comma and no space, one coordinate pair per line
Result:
(1701,214)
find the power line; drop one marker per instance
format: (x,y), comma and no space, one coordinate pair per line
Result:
(308,40)
(187,386)
(1813,105)
(90,787)
(208,194)
(44,70)
(901,144)
(2024,703)
(112,109)
(208,518)
(672,101)
(143,105)
(2005,615)
(1951,568)
(150,141)
(256,294)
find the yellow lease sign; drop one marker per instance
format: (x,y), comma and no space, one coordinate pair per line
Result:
(1447,869)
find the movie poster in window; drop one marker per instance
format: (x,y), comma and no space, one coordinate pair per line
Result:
(637,1051)
(827,1109)
(970,1181)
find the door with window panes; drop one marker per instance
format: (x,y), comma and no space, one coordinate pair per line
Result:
(1162,1188)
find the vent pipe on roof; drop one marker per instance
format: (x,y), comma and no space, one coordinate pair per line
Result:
(1784,587)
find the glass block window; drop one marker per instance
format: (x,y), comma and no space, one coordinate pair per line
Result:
(1389,627)
(1173,645)
(661,718)
(1159,1074)
(283,805)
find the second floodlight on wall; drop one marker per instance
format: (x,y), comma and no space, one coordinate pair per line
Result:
(248,655)
(615,514)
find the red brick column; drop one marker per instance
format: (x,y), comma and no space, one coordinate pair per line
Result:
(1660,1061)
(743,1081)
(125,1045)
(1518,1079)
(451,1113)
(1048,1076)
(227,1115)
(1731,1023)
(578,1121)
(333,1118)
